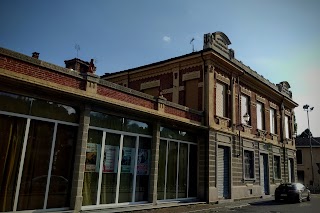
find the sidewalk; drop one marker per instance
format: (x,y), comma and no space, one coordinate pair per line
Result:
(195,207)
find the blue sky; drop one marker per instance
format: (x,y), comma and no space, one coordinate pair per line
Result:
(280,39)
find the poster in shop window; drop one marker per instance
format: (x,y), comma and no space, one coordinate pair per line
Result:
(143,162)
(127,160)
(92,157)
(110,162)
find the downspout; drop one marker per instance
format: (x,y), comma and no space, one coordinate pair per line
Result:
(203,89)
(283,137)
(239,113)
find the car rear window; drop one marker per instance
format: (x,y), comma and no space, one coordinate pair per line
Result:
(287,186)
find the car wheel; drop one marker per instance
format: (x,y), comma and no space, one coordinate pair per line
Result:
(277,199)
(309,197)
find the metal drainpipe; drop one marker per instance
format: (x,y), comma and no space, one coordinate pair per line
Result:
(239,110)
(283,139)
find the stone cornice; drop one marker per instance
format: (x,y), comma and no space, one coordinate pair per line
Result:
(222,78)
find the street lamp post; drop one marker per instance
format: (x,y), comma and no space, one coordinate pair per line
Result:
(309,109)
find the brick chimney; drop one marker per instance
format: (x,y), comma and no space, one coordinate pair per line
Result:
(77,64)
(35,55)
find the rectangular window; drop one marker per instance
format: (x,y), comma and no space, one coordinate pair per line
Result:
(221,99)
(244,107)
(299,157)
(191,93)
(248,164)
(272,121)
(286,126)
(260,116)
(276,167)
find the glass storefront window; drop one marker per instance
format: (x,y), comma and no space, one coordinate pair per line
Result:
(62,167)
(12,130)
(92,165)
(193,170)
(176,134)
(36,107)
(15,103)
(162,169)
(118,123)
(110,169)
(36,165)
(183,170)
(143,169)
(172,170)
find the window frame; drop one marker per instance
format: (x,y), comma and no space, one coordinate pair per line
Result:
(287,126)
(300,162)
(273,122)
(252,164)
(225,99)
(279,168)
(261,115)
(247,98)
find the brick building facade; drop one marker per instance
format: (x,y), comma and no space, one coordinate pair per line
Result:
(74,140)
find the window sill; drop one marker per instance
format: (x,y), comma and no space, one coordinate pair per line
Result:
(249,180)
(222,121)
(261,133)
(246,128)
(274,137)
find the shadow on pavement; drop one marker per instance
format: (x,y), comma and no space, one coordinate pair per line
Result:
(268,203)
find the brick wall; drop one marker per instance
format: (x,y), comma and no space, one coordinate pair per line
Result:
(41,73)
(118,95)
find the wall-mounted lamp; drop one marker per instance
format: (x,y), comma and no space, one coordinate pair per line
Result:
(246,118)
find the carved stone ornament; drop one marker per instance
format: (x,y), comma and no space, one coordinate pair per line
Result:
(222,78)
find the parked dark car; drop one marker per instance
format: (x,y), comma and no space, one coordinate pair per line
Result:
(293,192)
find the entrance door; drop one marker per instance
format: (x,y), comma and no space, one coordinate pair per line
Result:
(223,172)
(264,174)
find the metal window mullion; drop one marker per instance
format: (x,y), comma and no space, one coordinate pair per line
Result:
(119,169)
(50,165)
(135,171)
(188,170)
(177,178)
(101,167)
(23,154)
(166,173)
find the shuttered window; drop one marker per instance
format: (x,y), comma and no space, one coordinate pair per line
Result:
(191,94)
(272,121)
(221,100)
(244,107)
(260,116)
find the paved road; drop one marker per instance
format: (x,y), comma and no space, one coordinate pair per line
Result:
(270,206)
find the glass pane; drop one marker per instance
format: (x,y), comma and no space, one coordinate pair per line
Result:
(127,165)
(12,131)
(193,166)
(137,127)
(48,109)
(176,134)
(143,169)
(62,167)
(172,171)
(162,169)
(183,169)
(90,183)
(36,164)
(106,121)
(110,169)
(14,103)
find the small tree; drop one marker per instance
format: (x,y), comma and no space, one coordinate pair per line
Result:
(305,134)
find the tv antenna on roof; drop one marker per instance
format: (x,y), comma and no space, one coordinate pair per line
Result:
(77,47)
(192,44)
